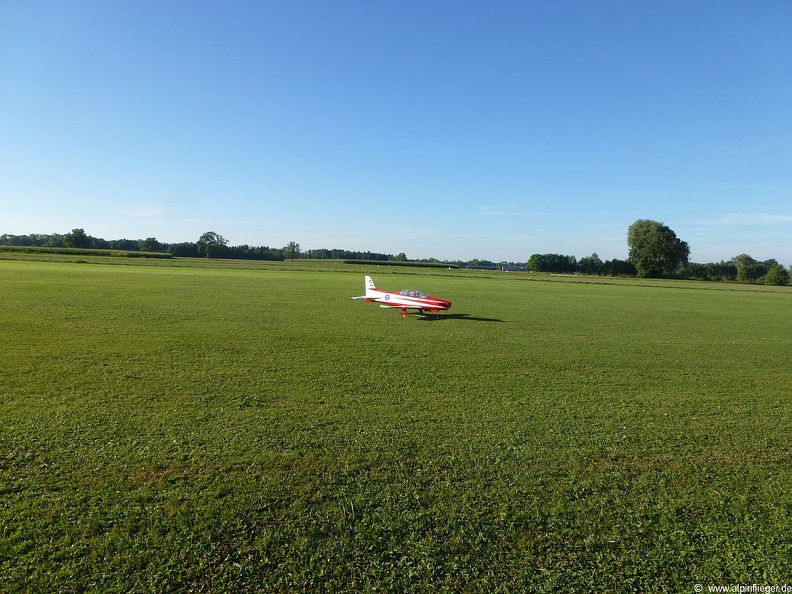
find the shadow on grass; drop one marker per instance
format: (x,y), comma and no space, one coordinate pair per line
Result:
(455,316)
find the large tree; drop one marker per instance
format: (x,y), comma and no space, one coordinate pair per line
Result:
(76,239)
(291,250)
(211,244)
(655,249)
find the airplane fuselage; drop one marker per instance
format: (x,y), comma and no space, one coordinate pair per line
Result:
(405,300)
(419,301)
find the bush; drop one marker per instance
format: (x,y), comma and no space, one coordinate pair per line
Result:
(777,275)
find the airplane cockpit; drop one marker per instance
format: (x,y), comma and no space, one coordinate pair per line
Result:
(413,293)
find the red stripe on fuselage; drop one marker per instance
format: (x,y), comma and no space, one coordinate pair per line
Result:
(409,302)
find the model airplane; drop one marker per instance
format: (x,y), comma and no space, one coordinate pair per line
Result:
(407,299)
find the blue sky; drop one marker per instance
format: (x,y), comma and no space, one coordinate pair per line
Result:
(445,129)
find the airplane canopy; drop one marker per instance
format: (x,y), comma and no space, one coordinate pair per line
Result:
(413,293)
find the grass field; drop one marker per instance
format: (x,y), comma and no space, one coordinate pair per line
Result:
(171,428)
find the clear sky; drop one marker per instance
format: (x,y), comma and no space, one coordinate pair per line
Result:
(447,129)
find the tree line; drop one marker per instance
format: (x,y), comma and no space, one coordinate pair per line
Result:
(214,245)
(654,251)
(210,245)
(593,264)
(742,268)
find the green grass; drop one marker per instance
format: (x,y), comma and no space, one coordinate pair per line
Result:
(197,428)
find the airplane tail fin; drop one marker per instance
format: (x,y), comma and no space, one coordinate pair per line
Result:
(370,288)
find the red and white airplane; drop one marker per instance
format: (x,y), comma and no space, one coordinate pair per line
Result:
(407,299)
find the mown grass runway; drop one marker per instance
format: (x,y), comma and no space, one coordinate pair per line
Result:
(171,428)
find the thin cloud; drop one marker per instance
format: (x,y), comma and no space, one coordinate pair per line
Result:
(145,213)
(504,237)
(497,211)
(415,232)
(743,219)
(151,212)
